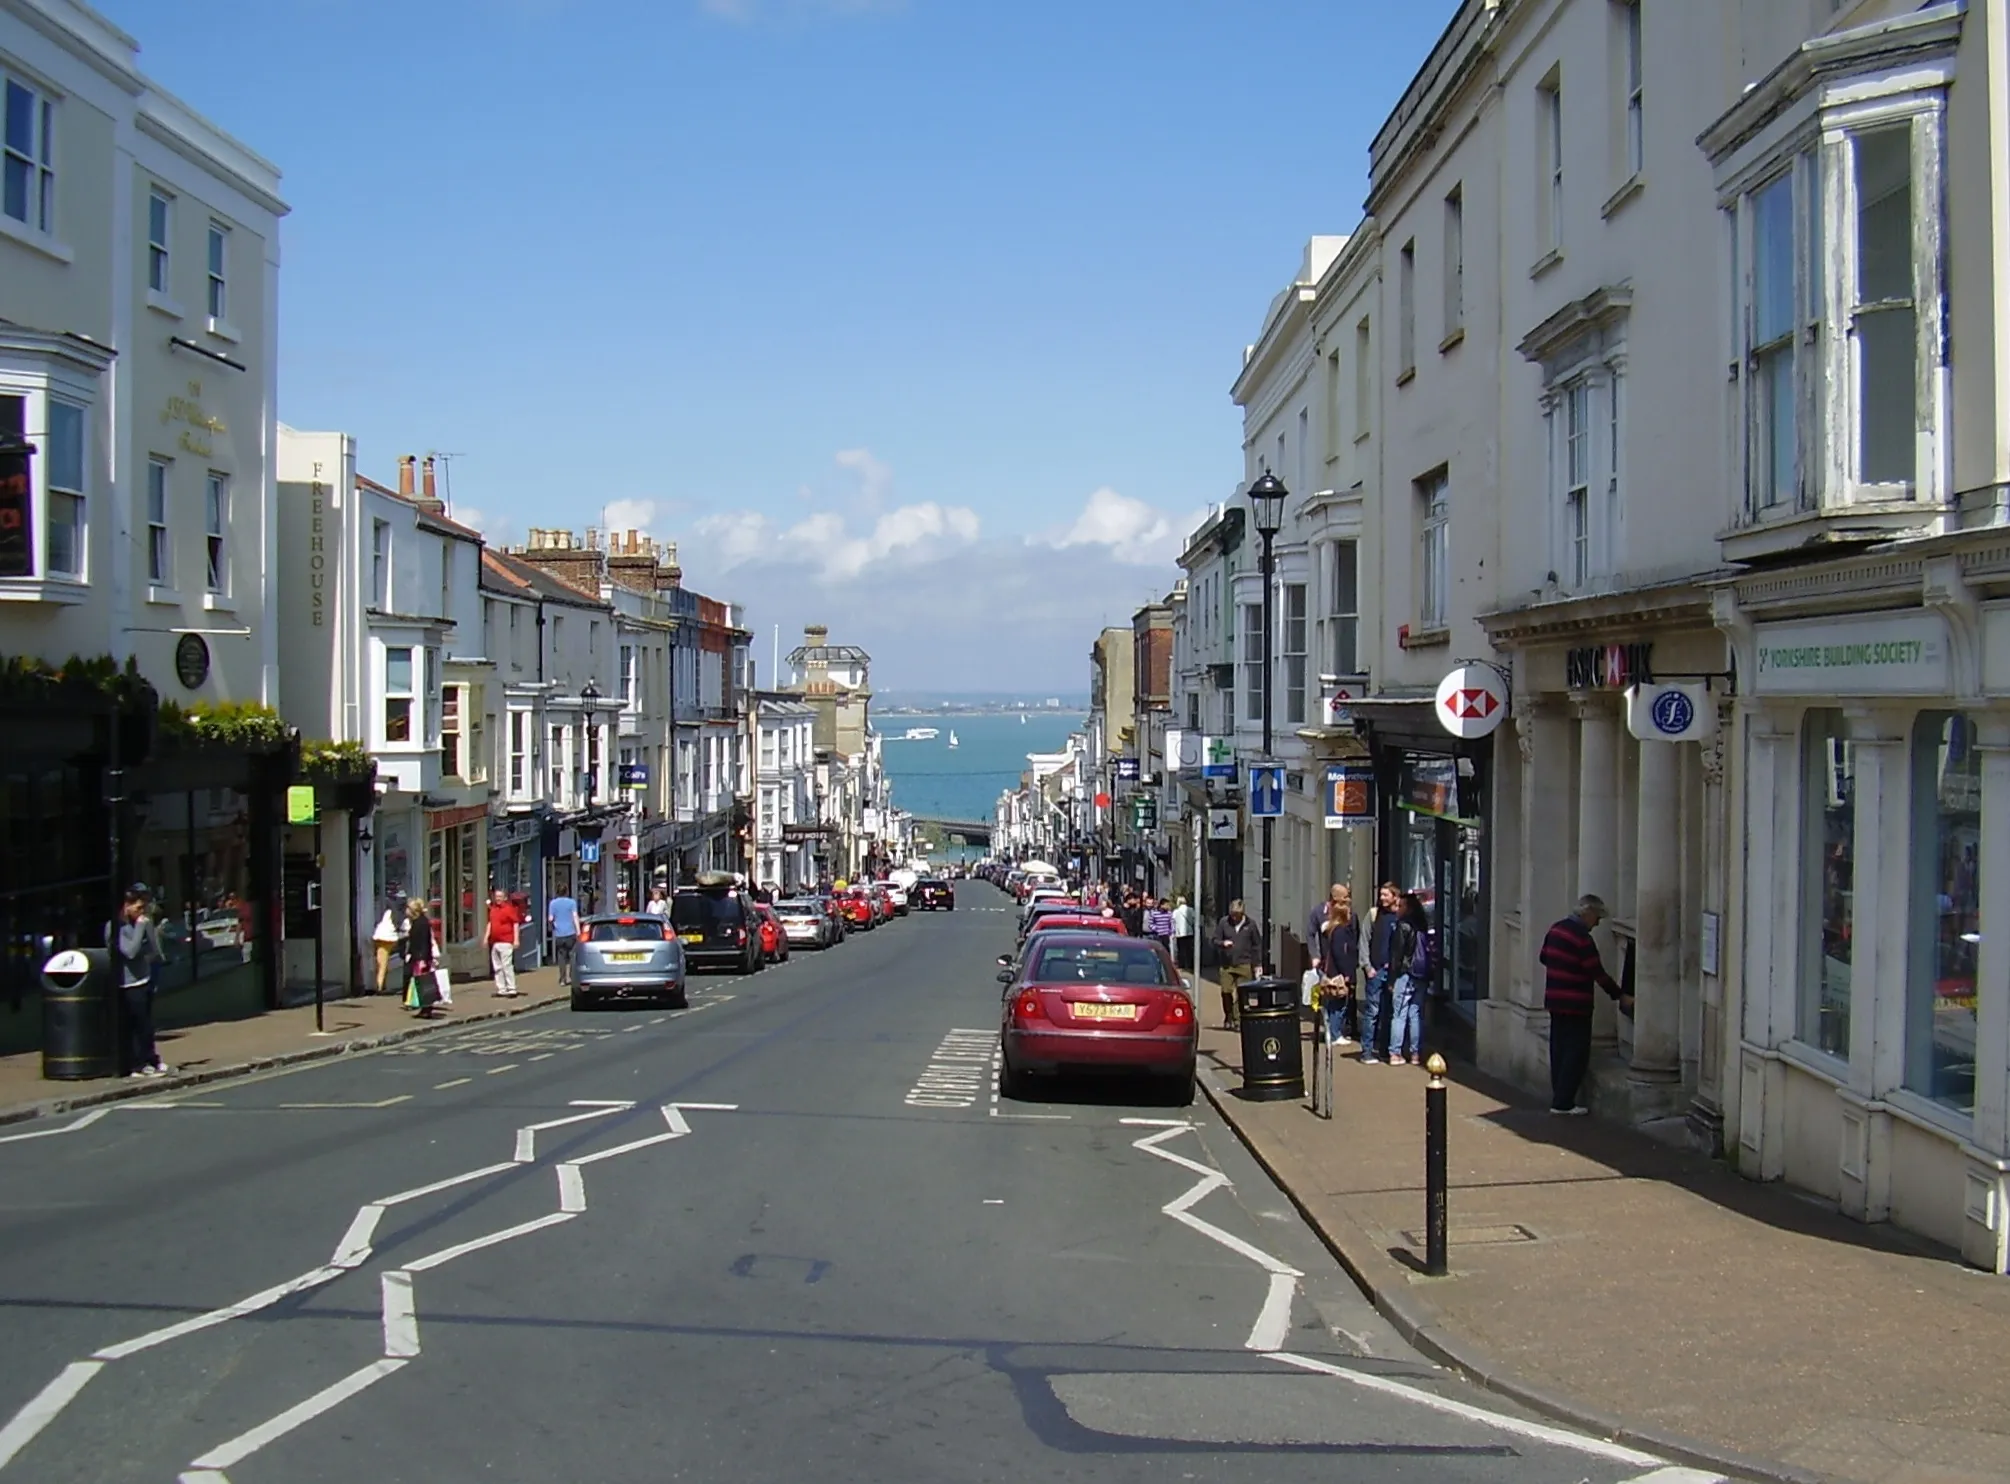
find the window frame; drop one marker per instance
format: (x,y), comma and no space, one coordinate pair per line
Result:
(1343,615)
(160,538)
(77,494)
(1455,263)
(1252,660)
(400,701)
(1633,84)
(1549,156)
(217,262)
(36,160)
(160,242)
(1575,471)
(1294,635)
(1434,549)
(1406,311)
(216,524)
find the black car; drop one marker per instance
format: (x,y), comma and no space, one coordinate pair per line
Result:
(930,893)
(715,923)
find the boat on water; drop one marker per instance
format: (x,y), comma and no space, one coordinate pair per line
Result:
(920,734)
(952,737)
(1022,718)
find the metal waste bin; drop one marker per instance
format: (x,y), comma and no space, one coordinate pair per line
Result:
(80,1023)
(1273,1058)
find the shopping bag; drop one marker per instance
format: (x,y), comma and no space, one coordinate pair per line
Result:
(444,986)
(1308,988)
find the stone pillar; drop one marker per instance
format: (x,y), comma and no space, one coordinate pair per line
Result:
(1598,833)
(1656,1074)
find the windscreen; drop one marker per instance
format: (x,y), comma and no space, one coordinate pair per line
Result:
(798,909)
(1098,963)
(627,930)
(700,909)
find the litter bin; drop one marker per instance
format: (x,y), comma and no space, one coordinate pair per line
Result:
(1273,1058)
(79,1016)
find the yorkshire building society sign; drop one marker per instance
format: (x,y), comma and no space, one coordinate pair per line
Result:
(1472,702)
(1869,654)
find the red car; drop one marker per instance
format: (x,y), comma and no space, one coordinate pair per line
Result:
(858,908)
(882,902)
(1085,1001)
(774,938)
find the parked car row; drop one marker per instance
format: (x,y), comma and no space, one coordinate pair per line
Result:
(717,923)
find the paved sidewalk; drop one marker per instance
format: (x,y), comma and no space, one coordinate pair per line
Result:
(1646,1291)
(204,1053)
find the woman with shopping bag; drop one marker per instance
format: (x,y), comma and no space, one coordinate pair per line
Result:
(422,991)
(1337,953)
(386,937)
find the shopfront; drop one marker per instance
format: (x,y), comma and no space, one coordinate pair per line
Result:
(456,869)
(516,868)
(1874,1059)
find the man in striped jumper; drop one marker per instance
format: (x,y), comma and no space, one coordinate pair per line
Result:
(1572,969)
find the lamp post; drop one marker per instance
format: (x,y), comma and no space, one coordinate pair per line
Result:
(1266,505)
(589,705)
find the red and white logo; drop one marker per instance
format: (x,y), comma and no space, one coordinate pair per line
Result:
(1472,701)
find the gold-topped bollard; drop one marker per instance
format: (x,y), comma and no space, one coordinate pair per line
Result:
(1436,1216)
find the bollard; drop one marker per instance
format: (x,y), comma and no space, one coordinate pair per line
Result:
(1436,1262)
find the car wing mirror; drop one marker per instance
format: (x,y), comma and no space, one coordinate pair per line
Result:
(1006,976)
(1004,960)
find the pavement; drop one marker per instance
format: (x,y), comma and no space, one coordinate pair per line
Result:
(789,1232)
(1641,1291)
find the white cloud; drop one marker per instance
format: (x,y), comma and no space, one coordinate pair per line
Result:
(875,477)
(497,530)
(629,515)
(823,546)
(1129,530)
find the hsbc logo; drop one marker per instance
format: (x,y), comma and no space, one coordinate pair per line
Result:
(1472,705)
(1472,701)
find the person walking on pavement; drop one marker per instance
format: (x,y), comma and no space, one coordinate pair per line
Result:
(1335,936)
(1413,978)
(1182,918)
(1241,945)
(1158,923)
(562,918)
(504,919)
(659,901)
(1571,969)
(137,946)
(385,938)
(1385,955)
(421,987)
(1133,915)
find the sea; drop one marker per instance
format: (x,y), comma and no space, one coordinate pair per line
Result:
(933,779)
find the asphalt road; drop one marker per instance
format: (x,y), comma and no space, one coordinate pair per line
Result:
(788,1234)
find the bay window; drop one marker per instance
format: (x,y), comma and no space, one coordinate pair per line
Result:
(64,483)
(1828,870)
(1946,926)
(1773,406)
(398,694)
(1884,323)
(1294,651)
(1252,661)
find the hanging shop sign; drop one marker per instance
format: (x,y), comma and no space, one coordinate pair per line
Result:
(1127,769)
(1217,757)
(191,661)
(1183,748)
(1350,794)
(1671,711)
(1222,824)
(1472,701)
(1609,666)
(1869,654)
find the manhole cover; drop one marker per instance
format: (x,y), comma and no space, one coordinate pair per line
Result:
(1478,1236)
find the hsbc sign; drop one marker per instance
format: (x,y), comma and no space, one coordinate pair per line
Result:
(1472,701)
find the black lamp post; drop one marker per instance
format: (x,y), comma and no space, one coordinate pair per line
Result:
(589,705)
(1266,506)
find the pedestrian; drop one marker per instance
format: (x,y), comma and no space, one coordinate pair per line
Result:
(1336,945)
(385,938)
(504,919)
(1413,980)
(1571,969)
(421,988)
(1158,923)
(659,901)
(1133,915)
(1241,945)
(137,946)
(1385,931)
(1182,915)
(561,916)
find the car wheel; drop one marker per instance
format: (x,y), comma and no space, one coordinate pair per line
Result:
(679,999)
(579,1001)
(1180,1089)
(1014,1085)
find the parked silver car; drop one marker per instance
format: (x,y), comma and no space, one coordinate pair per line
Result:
(629,956)
(807,922)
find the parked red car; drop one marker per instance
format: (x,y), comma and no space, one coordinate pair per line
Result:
(774,938)
(882,902)
(859,911)
(1089,1002)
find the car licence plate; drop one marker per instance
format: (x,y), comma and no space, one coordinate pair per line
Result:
(624,958)
(1105,1012)
(694,937)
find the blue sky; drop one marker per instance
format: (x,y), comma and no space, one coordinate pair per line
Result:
(902,315)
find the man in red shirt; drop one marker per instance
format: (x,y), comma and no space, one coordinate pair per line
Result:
(1572,971)
(504,920)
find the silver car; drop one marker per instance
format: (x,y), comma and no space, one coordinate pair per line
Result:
(630,956)
(807,922)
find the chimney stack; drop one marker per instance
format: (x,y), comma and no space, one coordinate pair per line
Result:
(405,475)
(431,493)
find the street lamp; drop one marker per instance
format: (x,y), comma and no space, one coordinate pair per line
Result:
(589,704)
(1266,504)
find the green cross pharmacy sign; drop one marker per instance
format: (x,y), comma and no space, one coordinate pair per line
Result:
(1870,654)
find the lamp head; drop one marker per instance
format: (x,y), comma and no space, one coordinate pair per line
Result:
(1266,503)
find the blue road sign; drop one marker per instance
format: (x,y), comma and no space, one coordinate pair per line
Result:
(589,852)
(1266,791)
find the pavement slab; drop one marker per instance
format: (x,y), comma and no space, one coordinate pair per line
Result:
(720,1244)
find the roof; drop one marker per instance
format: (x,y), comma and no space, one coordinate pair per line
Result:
(504,574)
(429,520)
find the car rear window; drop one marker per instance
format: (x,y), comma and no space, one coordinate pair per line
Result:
(702,909)
(798,909)
(1093,963)
(627,930)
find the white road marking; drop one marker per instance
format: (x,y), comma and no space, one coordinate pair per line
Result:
(42,1409)
(526,1137)
(659,1020)
(505,1067)
(1273,1324)
(571,1188)
(245,1444)
(313,1278)
(401,1321)
(994,1203)
(457,1082)
(403,1097)
(956,1072)
(475,1244)
(544,1056)
(169,1103)
(1675,1475)
(84,1120)
(1534,1431)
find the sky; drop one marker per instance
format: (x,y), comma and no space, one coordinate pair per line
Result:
(916,318)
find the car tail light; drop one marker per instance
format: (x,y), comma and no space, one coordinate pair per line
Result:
(739,935)
(1178,1010)
(1027,1007)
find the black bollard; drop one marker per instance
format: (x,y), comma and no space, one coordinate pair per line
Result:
(1436,1261)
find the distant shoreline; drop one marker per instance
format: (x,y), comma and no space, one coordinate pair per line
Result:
(953,709)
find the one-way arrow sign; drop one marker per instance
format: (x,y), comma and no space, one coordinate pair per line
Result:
(1266,790)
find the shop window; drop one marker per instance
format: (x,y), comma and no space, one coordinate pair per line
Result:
(192,850)
(1828,870)
(1946,925)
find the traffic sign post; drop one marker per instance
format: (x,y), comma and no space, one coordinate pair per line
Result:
(1266,790)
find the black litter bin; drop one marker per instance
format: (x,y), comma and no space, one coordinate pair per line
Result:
(1273,1058)
(79,1016)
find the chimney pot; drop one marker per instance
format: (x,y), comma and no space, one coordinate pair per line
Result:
(427,483)
(405,474)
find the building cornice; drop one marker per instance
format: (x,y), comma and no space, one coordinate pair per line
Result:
(1578,320)
(1665,605)
(86,35)
(1415,125)
(168,122)
(56,345)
